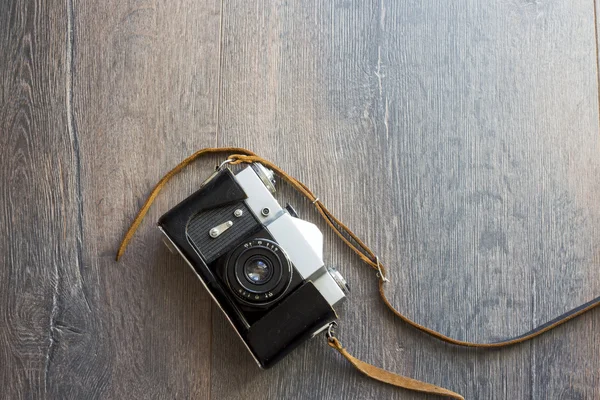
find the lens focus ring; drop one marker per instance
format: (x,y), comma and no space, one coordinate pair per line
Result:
(258,272)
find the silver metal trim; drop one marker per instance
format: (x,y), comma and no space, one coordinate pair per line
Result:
(219,229)
(266,176)
(321,329)
(339,279)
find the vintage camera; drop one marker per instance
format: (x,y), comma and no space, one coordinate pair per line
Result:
(261,264)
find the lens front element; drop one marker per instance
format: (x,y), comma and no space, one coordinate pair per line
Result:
(258,271)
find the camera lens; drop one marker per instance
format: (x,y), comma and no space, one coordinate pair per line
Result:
(258,271)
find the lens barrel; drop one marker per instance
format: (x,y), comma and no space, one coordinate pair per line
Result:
(258,272)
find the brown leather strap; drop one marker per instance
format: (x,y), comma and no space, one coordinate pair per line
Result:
(156,190)
(561,319)
(390,378)
(367,255)
(241,155)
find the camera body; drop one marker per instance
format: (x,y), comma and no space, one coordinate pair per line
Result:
(261,264)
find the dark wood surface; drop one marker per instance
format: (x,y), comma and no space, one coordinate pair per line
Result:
(460,139)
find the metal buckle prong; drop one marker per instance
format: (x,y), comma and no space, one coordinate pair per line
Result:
(380,273)
(331,331)
(220,167)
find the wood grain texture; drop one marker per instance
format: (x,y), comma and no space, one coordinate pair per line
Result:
(455,140)
(145,83)
(39,275)
(99,99)
(459,139)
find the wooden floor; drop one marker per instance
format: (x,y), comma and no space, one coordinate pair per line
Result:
(459,138)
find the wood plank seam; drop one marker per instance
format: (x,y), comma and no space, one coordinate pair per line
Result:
(597,55)
(219,78)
